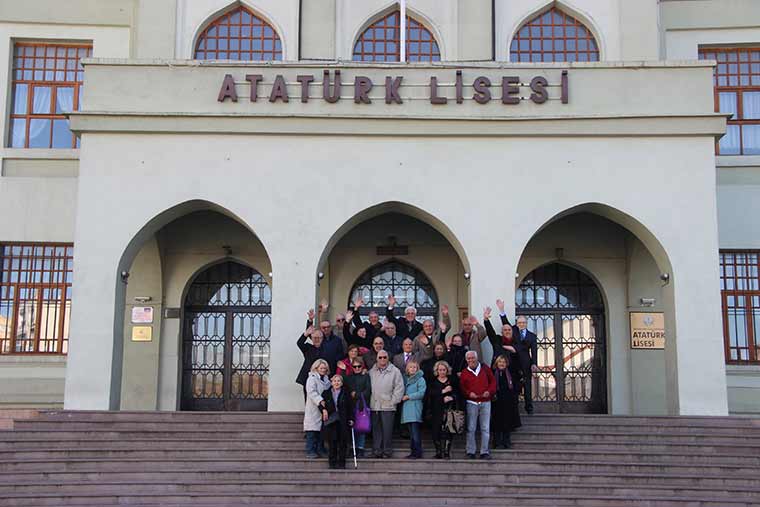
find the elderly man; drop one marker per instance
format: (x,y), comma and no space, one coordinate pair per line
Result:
(472,334)
(392,340)
(526,344)
(311,351)
(503,344)
(478,386)
(373,327)
(407,354)
(370,358)
(407,326)
(334,346)
(340,319)
(387,390)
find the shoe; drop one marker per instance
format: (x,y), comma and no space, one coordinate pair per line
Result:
(485,456)
(341,466)
(311,455)
(529,410)
(333,466)
(377,456)
(360,453)
(411,456)
(447,449)
(470,455)
(387,455)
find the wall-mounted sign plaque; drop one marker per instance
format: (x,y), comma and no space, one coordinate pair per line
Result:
(647,330)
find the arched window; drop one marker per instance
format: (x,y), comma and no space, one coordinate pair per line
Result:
(409,286)
(553,36)
(239,34)
(381,42)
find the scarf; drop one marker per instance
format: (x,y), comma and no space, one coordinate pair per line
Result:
(503,374)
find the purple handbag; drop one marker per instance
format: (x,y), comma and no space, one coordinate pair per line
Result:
(362,417)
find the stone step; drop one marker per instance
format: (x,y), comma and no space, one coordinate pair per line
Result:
(431,477)
(512,454)
(293,428)
(295,417)
(246,463)
(356,489)
(407,499)
(209,435)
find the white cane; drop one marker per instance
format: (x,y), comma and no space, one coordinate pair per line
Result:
(353,444)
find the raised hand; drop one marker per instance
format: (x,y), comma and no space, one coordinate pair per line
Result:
(445,310)
(500,305)
(310,314)
(349,316)
(323,306)
(487,313)
(391,300)
(308,331)
(358,303)
(442,326)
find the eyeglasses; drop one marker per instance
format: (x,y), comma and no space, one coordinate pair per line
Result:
(340,320)
(357,367)
(382,357)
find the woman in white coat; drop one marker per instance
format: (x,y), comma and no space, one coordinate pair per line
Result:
(317,381)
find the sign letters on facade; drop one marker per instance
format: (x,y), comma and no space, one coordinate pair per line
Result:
(482,89)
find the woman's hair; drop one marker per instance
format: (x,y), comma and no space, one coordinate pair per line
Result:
(441,363)
(440,345)
(499,357)
(319,362)
(459,335)
(358,359)
(351,347)
(411,362)
(336,376)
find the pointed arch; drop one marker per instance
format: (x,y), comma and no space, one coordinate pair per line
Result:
(379,39)
(555,33)
(238,33)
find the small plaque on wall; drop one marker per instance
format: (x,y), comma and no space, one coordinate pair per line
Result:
(142,333)
(647,330)
(142,315)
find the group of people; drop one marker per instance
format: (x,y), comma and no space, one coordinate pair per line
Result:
(407,374)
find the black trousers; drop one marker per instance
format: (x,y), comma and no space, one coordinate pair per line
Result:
(337,444)
(527,377)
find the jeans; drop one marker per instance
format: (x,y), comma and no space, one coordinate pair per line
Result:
(415,433)
(480,412)
(382,432)
(360,438)
(314,443)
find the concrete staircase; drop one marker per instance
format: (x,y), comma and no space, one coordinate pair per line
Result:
(59,458)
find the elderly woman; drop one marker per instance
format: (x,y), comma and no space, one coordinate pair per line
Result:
(344,365)
(337,420)
(505,411)
(443,395)
(411,409)
(456,354)
(316,383)
(359,387)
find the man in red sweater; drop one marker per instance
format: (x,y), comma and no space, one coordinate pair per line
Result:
(478,386)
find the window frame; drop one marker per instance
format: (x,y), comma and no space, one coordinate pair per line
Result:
(753,344)
(536,21)
(61,303)
(739,90)
(54,84)
(224,19)
(411,56)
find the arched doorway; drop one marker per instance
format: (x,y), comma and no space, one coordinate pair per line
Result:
(408,285)
(225,339)
(565,309)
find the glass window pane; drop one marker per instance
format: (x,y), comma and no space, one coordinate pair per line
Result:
(61,134)
(20,96)
(64,100)
(41,101)
(39,133)
(751,105)
(728,103)
(18,133)
(729,143)
(751,139)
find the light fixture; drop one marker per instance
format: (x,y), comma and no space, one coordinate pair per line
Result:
(143,299)
(124,276)
(270,274)
(647,301)
(665,277)
(320,276)
(466,275)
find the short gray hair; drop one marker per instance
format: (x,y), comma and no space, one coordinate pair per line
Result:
(411,308)
(471,352)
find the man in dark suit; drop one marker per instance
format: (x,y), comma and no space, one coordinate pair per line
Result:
(406,326)
(526,343)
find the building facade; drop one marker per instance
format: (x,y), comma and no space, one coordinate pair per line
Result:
(182,180)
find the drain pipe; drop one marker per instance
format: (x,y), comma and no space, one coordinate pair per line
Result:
(493,30)
(300,26)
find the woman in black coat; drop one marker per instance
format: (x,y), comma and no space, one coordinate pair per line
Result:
(505,411)
(337,421)
(455,355)
(442,395)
